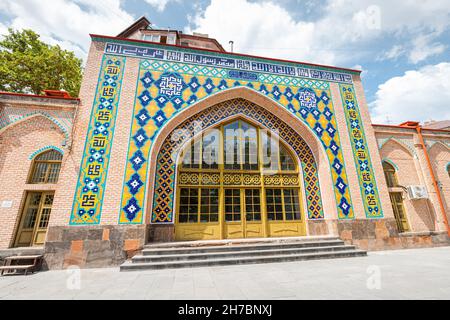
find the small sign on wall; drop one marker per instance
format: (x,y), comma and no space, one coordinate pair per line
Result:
(7,204)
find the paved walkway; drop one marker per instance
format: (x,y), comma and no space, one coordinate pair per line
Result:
(402,274)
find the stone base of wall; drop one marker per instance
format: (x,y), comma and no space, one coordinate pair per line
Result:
(318,228)
(163,232)
(93,246)
(375,235)
(106,246)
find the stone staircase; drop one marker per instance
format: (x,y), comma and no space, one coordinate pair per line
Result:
(239,251)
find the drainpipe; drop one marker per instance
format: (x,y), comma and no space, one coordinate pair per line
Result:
(73,125)
(433,177)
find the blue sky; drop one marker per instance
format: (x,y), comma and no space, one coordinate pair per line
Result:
(402,46)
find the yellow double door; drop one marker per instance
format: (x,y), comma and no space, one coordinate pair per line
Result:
(245,213)
(35,218)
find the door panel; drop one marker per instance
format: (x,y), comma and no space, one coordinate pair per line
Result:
(25,238)
(284,213)
(44,218)
(252,208)
(234,227)
(286,229)
(198,214)
(196,231)
(29,217)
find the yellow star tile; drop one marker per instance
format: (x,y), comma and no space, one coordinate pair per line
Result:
(169,109)
(152,108)
(154,92)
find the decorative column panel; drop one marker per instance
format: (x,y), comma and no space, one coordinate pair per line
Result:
(87,204)
(361,154)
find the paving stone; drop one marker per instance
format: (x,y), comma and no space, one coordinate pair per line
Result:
(404,274)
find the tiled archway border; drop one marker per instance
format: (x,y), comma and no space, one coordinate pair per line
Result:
(165,177)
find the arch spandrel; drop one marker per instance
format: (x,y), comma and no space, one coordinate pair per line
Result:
(32,117)
(402,145)
(439,146)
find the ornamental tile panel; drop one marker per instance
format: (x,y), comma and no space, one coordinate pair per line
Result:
(361,154)
(87,204)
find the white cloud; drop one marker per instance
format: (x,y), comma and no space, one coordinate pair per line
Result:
(160,5)
(424,48)
(3,30)
(343,31)
(418,50)
(392,54)
(414,96)
(259,28)
(68,23)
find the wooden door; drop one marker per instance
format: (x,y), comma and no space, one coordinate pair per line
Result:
(399,211)
(35,218)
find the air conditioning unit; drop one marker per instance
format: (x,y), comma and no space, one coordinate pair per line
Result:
(417,192)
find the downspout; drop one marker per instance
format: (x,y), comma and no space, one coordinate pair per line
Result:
(433,177)
(75,116)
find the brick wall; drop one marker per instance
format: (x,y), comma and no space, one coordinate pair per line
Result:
(419,213)
(403,148)
(439,155)
(17,143)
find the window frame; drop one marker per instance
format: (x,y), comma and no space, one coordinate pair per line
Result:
(49,164)
(152,37)
(199,213)
(390,170)
(283,204)
(173,38)
(260,167)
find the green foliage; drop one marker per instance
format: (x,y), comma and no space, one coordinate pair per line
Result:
(28,65)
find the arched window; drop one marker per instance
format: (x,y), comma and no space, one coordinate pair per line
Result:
(389,173)
(448,170)
(46,167)
(240,150)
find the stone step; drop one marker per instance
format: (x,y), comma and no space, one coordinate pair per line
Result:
(238,253)
(242,247)
(129,266)
(207,243)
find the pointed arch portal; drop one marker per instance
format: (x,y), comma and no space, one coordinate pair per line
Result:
(156,115)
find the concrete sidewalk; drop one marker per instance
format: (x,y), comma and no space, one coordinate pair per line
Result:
(402,274)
